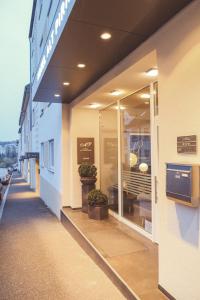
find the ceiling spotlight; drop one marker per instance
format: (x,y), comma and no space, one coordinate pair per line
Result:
(146,102)
(57,95)
(145,96)
(105,36)
(66,83)
(116,93)
(152,72)
(95,105)
(121,107)
(81,66)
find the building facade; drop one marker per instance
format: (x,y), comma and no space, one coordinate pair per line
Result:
(25,137)
(129,84)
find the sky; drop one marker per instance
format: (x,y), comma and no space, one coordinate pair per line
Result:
(15,18)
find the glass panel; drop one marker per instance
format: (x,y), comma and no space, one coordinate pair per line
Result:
(136,158)
(109,155)
(155,96)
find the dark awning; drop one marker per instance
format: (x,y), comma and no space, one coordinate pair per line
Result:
(22,157)
(29,155)
(130,22)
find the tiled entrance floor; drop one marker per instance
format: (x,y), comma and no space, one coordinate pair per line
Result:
(131,255)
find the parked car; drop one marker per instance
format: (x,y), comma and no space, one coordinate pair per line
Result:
(5,180)
(1,192)
(10,170)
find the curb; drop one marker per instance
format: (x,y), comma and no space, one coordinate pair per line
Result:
(5,198)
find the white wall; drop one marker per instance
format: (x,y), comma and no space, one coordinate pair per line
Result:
(50,182)
(62,187)
(65,156)
(83,123)
(35,143)
(178,50)
(25,143)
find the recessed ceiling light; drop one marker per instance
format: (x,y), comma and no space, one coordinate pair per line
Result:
(66,83)
(116,92)
(81,66)
(146,102)
(145,96)
(95,105)
(57,95)
(105,36)
(121,107)
(152,72)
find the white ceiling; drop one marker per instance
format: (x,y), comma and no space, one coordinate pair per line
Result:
(128,81)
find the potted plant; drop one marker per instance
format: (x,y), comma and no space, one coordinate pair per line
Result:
(88,178)
(97,205)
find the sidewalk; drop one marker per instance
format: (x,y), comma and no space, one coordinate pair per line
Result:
(39,259)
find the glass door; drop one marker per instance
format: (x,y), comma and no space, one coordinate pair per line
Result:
(109,155)
(136,159)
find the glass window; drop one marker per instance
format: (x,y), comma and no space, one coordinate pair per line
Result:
(155,96)
(50,5)
(46,156)
(41,41)
(42,155)
(40,11)
(136,158)
(51,155)
(33,118)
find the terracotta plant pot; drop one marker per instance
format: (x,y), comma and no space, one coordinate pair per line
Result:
(98,212)
(88,184)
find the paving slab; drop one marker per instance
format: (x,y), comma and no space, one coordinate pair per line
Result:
(39,259)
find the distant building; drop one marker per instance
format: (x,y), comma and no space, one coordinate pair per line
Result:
(2,150)
(25,134)
(9,149)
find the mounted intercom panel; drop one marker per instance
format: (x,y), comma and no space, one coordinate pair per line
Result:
(183,183)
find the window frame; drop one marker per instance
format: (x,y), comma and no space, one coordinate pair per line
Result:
(51,156)
(41,41)
(49,9)
(42,155)
(40,11)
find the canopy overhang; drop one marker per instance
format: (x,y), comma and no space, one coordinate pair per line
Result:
(29,155)
(130,23)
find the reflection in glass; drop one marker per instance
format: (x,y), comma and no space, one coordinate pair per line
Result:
(109,155)
(136,158)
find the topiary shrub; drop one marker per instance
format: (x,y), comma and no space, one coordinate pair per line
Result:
(86,170)
(97,198)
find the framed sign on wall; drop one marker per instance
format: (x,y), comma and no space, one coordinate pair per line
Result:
(85,150)
(187,144)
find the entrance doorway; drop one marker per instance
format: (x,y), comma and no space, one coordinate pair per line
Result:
(128,158)
(136,159)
